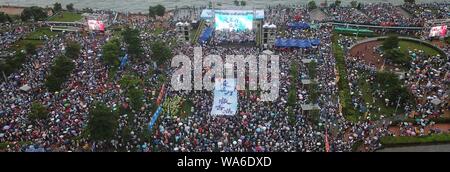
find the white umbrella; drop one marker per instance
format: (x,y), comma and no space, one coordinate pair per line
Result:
(436,101)
(6,127)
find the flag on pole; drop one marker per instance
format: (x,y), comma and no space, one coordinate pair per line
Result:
(327,144)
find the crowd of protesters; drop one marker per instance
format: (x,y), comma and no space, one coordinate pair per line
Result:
(257,127)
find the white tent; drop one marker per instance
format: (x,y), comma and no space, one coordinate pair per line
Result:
(25,88)
(267,52)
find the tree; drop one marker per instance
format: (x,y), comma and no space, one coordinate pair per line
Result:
(38,111)
(69,7)
(59,73)
(394,91)
(73,50)
(359,7)
(354,4)
(57,7)
(312,5)
(337,3)
(30,48)
(102,122)
(129,81)
(390,43)
(160,10)
(151,12)
(292,97)
(131,38)
(236,2)
(396,57)
(161,52)
(210,4)
(4,18)
(136,96)
(34,12)
(111,51)
(243,3)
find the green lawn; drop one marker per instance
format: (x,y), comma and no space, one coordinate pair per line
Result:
(40,32)
(405,46)
(390,141)
(66,17)
(33,38)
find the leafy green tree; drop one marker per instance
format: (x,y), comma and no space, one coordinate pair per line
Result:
(30,48)
(69,7)
(312,69)
(396,56)
(392,86)
(38,111)
(354,4)
(129,81)
(57,7)
(151,12)
(236,2)
(4,18)
(136,96)
(390,42)
(59,73)
(243,3)
(160,10)
(338,3)
(131,38)
(102,123)
(111,51)
(34,12)
(73,50)
(312,5)
(161,52)
(292,97)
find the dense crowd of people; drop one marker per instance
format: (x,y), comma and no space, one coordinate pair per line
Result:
(257,127)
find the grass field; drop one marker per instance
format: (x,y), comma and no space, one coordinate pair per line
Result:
(34,38)
(390,141)
(66,17)
(406,46)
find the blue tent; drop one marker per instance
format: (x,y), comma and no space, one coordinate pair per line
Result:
(298,25)
(206,34)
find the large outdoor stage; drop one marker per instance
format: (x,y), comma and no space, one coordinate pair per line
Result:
(231,26)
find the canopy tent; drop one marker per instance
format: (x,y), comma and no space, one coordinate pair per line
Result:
(296,43)
(298,25)
(308,107)
(25,88)
(267,52)
(206,34)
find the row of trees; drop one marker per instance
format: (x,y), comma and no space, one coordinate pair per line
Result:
(62,68)
(240,3)
(33,13)
(312,4)
(57,7)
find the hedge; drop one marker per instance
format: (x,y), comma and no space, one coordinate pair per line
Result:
(393,141)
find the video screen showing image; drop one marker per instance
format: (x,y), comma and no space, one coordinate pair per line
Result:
(234,22)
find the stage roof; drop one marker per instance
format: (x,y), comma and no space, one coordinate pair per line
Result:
(208,13)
